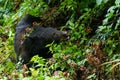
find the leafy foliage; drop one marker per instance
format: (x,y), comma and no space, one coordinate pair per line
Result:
(91,52)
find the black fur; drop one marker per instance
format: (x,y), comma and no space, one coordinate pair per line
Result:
(27,21)
(36,42)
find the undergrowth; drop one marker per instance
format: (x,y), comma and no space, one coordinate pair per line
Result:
(92,51)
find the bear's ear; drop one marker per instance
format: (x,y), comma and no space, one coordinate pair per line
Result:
(54,34)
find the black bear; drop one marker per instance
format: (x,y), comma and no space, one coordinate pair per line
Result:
(36,42)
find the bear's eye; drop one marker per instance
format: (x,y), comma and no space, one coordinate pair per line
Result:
(54,34)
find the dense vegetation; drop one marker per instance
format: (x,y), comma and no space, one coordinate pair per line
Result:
(90,53)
